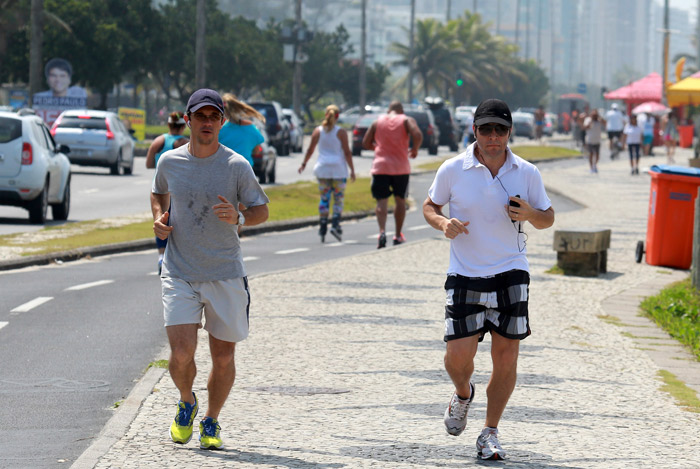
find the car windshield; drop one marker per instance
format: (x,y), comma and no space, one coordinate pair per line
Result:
(267,110)
(10,129)
(366,120)
(83,122)
(420,117)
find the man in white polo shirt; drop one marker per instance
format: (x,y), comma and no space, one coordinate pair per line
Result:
(491,193)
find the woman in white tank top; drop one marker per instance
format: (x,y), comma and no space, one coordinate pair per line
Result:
(331,169)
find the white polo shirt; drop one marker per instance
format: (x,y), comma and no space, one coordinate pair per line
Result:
(473,195)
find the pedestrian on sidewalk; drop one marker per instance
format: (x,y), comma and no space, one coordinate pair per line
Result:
(331,169)
(161,144)
(593,126)
(669,124)
(389,137)
(194,200)
(491,193)
(632,136)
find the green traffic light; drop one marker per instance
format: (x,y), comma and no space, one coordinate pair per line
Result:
(460,82)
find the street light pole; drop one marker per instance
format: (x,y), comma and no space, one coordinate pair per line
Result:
(296,87)
(200,73)
(667,34)
(410,55)
(363,58)
(35,48)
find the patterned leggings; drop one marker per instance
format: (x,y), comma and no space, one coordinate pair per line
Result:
(337,188)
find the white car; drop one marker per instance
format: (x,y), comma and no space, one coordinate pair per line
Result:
(34,170)
(296,130)
(96,138)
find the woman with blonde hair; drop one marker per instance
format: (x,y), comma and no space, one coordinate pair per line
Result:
(331,169)
(239,133)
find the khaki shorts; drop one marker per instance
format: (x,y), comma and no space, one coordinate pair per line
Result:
(225,304)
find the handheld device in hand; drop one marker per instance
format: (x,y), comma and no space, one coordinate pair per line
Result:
(513,203)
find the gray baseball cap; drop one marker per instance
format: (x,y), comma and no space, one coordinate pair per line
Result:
(205,97)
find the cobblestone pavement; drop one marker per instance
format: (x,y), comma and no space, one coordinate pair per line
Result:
(344,368)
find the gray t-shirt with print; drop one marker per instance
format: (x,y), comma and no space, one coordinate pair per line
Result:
(201,247)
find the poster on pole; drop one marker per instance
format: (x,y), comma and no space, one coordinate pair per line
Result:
(60,95)
(135,119)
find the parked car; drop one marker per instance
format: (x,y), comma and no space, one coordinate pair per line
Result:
(465,118)
(96,138)
(277,126)
(296,129)
(426,123)
(265,163)
(550,124)
(359,130)
(450,134)
(34,170)
(523,124)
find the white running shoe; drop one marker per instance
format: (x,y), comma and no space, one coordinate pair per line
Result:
(456,413)
(487,445)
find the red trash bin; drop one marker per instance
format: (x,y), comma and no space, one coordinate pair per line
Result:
(685,136)
(671,216)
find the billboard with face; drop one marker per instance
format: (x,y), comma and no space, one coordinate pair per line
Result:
(60,95)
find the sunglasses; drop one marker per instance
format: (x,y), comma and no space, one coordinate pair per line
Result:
(201,117)
(487,129)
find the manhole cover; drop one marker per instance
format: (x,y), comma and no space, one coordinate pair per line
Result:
(296,390)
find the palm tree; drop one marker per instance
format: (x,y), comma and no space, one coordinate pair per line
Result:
(431,54)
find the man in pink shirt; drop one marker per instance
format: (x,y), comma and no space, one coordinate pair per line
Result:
(389,137)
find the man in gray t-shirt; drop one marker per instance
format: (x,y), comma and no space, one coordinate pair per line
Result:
(197,190)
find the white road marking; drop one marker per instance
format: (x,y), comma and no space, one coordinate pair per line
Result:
(293,251)
(29,305)
(421,227)
(250,258)
(89,285)
(88,191)
(3,324)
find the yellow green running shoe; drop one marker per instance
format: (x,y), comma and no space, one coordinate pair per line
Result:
(181,428)
(210,434)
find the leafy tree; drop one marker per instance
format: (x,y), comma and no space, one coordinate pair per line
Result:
(14,42)
(528,87)
(349,78)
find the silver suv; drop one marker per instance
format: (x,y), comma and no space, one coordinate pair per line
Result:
(34,170)
(96,138)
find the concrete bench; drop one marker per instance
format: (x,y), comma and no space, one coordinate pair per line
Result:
(582,252)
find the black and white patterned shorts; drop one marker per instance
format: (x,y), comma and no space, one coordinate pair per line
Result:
(476,305)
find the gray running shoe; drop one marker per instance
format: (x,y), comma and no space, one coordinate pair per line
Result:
(456,413)
(487,445)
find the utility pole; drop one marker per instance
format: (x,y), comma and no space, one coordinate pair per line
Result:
(296,87)
(667,34)
(498,17)
(697,37)
(539,30)
(475,6)
(449,11)
(410,55)
(527,30)
(200,74)
(35,48)
(363,58)
(517,22)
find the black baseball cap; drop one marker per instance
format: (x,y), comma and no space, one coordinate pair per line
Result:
(493,111)
(205,97)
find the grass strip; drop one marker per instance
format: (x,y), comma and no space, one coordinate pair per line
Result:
(675,309)
(684,396)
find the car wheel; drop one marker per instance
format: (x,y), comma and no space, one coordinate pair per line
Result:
(453,146)
(433,150)
(285,149)
(271,175)
(262,178)
(129,169)
(356,151)
(116,167)
(61,209)
(39,206)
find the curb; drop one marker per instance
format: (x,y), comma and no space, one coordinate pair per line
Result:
(149,243)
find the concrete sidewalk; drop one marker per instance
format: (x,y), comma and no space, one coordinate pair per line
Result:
(343,367)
